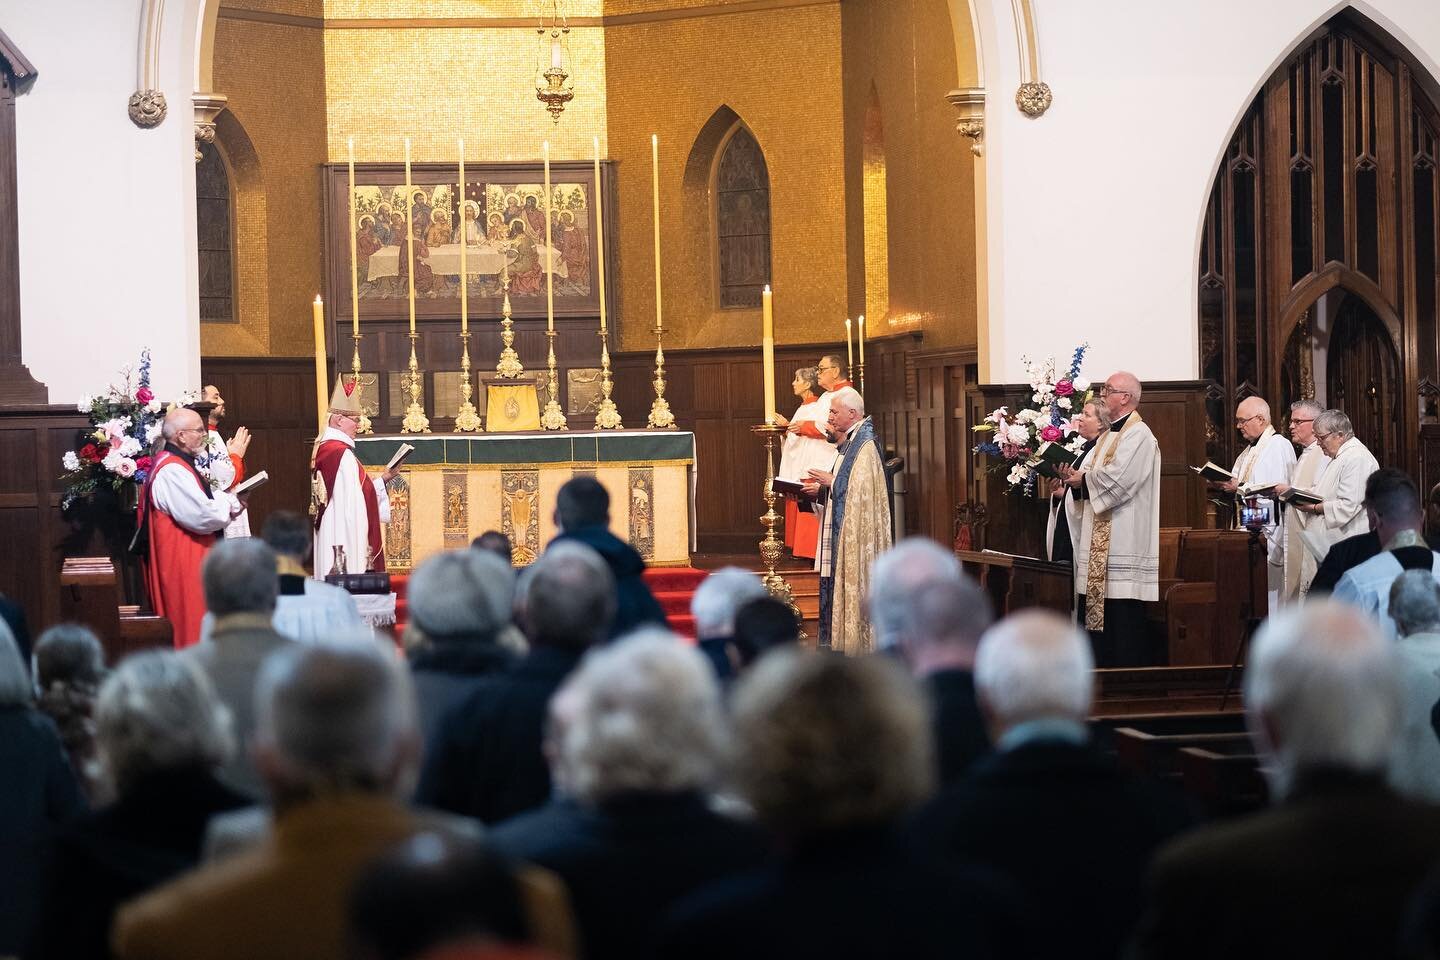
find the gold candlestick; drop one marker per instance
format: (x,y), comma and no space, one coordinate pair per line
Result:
(772,547)
(608,416)
(552,418)
(860,369)
(509,367)
(660,416)
(467,420)
(365,426)
(415,420)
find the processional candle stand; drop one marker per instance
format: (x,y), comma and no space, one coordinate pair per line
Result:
(467,420)
(415,420)
(365,426)
(772,548)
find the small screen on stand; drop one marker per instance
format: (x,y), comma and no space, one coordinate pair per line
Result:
(1254,514)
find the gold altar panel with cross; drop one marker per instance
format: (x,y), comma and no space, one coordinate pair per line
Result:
(458,487)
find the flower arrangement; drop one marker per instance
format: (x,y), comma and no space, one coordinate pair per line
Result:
(1050,417)
(124,426)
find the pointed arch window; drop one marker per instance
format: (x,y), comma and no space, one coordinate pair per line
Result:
(214,225)
(742,220)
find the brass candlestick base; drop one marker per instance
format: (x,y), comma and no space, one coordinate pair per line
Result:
(365,426)
(415,420)
(466,420)
(607,417)
(553,418)
(772,547)
(509,367)
(660,416)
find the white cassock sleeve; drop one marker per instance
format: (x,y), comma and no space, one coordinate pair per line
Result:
(176,492)
(1348,500)
(382,499)
(1277,460)
(1127,475)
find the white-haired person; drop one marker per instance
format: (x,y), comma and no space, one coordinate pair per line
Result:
(924,608)
(714,605)
(832,753)
(1047,810)
(38,790)
(1328,871)
(161,736)
(1415,609)
(460,604)
(1341,512)
(635,743)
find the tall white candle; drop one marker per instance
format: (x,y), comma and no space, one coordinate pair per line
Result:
(464,273)
(655,196)
(549,250)
(598,254)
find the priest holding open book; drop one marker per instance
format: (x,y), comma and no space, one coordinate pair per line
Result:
(1267,460)
(346,506)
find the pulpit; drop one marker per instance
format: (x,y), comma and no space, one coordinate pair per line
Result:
(455,487)
(1015,582)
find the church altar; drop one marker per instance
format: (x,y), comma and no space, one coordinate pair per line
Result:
(454,487)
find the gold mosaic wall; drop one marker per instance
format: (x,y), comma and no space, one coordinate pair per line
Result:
(779,71)
(422,9)
(905,51)
(273,75)
(293,8)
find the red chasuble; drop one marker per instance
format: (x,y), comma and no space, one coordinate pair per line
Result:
(327,462)
(172,574)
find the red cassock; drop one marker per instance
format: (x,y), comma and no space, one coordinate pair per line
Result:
(172,574)
(327,462)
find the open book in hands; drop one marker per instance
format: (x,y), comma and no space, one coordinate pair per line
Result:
(1296,495)
(1050,458)
(1214,472)
(250,483)
(400,456)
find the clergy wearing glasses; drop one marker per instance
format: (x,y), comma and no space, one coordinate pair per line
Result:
(1267,460)
(346,505)
(1341,512)
(1117,555)
(1298,564)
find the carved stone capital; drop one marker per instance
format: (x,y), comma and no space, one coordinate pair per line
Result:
(970,104)
(147,108)
(1033,98)
(208,106)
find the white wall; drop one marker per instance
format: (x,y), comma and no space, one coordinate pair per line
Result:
(107,210)
(1095,208)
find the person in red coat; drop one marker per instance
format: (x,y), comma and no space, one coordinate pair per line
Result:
(185,518)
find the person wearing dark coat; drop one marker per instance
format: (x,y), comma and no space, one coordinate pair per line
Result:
(1062,822)
(832,753)
(1346,554)
(14,616)
(1330,869)
(38,792)
(161,736)
(636,740)
(484,759)
(582,514)
(459,602)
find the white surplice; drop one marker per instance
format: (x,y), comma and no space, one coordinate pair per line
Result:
(344,522)
(800,454)
(214,464)
(1127,486)
(1270,459)
(1299,565)
(1342,486)
(176,493)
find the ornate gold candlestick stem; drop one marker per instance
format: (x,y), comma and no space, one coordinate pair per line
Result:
(660,415)
(415,420)
(509,366)
(860,367)
(365,426)
(467,420)
(772,547)
(553,418)
(608,416)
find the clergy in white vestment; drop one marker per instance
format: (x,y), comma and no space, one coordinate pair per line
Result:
(222,462)
(806,448)
(1267,459)
(1062,531)
(1298,565)
(346,506)
(1397,521)
(1117,557)
(1341,513)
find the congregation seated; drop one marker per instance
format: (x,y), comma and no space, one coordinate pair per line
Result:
(336,743)
(1347,554)
(38,791)
(714,605)
(69,667)
(1046,809)
(238,577)
(460,604)
(484,759)
(1396,519)
(1327,871)
(927,611)
(1415,608)
(831,753)
(582,515)
(161,737)
(306,609)
(761,625)
(636,740)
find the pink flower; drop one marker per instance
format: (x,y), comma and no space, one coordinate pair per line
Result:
(1051,433)
(126,467)
(1009,451)
(1064,388)
(144,395)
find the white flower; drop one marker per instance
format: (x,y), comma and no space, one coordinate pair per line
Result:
(1063,402)
(1018,434)
(1080,384)
(86,402)
(151,432)
(112,460)
(117,428)
(70,460)
(154,406)
(126,467)
(129,447)
(1026,416)
(1018,474)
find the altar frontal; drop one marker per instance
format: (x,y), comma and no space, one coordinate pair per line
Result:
(454,488)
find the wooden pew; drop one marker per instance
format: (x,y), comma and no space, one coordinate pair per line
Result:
(1225,779)
(1157,754)
(90,594)
(1014,583)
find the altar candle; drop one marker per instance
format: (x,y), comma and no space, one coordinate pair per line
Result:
(354,259)
(464,275)
(320,392)
(849,346)
(410,235)
(860,336)
(549,250)
(599,252)
(655,192)
(767,353)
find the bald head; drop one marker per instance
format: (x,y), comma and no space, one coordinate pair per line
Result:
(184,428)
(1252,416)
(1122,393)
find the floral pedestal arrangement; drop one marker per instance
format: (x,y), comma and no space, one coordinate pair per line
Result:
(1050,416)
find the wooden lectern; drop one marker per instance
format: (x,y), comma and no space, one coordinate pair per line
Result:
(90,594)
(1015,582)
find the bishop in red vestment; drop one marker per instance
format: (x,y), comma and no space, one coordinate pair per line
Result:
(185,518)
(347,505)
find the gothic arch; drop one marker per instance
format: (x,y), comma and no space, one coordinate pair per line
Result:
(251,246)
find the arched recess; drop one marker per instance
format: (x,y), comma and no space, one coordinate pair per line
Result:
(875,196)
(1323,209)
(251,247)
(740,220)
